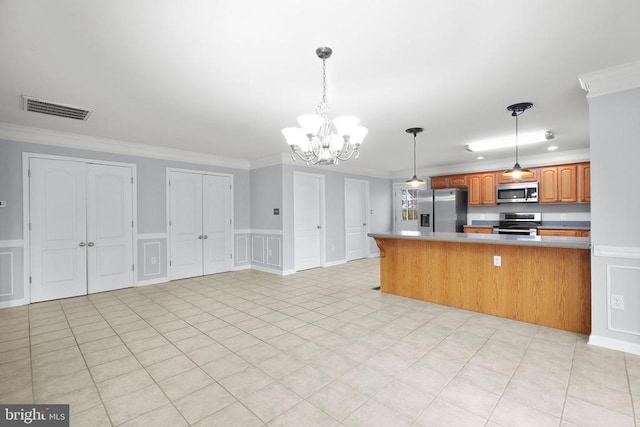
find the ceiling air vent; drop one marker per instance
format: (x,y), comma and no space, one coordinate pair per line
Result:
(55,108)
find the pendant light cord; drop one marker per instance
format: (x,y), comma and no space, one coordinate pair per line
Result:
(414,155)
(517,137)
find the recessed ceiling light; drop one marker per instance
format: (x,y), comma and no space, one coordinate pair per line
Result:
(552,147)
(479,157)
(509,141)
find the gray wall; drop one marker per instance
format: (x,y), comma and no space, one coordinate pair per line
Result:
(615,218)
(266,195)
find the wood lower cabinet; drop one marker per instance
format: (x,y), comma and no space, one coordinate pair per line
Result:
(562,232)
(482,189)
(558,184)
(478,230)
(584,182)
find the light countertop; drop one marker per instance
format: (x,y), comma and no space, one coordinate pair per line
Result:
(496,239)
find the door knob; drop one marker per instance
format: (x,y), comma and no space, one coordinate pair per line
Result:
(319,227)
(206,237)
(90,244)
(81,244)
(364,224)
(200,237)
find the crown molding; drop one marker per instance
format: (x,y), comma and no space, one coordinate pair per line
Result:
(610,80)
(571,156)
(82,142)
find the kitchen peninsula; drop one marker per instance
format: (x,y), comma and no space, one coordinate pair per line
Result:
(544,280)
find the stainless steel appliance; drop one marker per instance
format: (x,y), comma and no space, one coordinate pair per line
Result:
(521,192)
(442,210)
(523,224)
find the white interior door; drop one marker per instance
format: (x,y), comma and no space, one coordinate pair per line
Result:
(216,223)
(109,227)
(185,193)
(57,204)
(356,194)
(405,210)
(307,220)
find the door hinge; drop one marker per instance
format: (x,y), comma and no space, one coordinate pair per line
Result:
(230,187)
(231,256)
(169,263)
(169,183)
(169,223)
(133,268)
(29,173)
(132,180)
(131,224)
(230,221)
(29,279)
(29,226)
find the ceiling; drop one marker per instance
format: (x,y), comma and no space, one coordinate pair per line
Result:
(223,77)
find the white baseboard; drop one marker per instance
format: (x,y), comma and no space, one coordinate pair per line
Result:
(614,344)
(334,263)
(155,281)
(13,303)
(267,269)
(241,267)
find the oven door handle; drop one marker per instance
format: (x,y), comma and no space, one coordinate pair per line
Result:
(531,231)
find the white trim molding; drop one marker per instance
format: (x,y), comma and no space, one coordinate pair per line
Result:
(264,231)
(11,275)
(334,263)
(155,281)
(11,243)
(610,80)
(616,252)
(84,142)
(151,236)
(13,303)
(242,231)
(614,344)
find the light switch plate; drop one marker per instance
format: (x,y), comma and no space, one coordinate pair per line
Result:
(3,204)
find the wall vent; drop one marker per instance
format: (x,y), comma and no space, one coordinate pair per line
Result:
(37,105)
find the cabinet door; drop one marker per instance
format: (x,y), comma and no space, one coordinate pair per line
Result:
(501,179)
(439,182)
(478,230)
(567,184)
(458,181)
(475,190)
(548,191)
(488,189)
(584,183)
(558,232)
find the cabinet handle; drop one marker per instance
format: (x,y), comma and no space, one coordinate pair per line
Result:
(91,244)
(81,244)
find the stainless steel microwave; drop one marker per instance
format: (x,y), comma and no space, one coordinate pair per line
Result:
(521,192)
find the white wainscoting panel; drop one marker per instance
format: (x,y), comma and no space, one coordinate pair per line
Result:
(257,249)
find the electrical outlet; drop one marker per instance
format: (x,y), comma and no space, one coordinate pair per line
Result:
(154,260)
(563,216)
(497,261)
(617,302)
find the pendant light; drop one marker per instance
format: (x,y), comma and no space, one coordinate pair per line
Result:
(517,171)
(414,182)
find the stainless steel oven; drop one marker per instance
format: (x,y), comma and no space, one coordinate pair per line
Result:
(519,224)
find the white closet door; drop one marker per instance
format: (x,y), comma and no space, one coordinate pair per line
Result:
(355,194)
(185,193)
(307,221)
(109,227)
(58,229)
(216,223)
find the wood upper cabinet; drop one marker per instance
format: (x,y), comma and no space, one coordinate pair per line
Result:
(558,184)
(449,181)
(584,182)
(482,189)
(501,179)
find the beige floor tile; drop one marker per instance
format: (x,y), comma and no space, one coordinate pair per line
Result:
(280,365)
(246,382)
(258,353)
(441,413)
(234,415)
(60,385)
(305,414)
(132,405)
(14,354)
(372,414)
(483,378)
(589,415)
(114,368)
(185,383)
(166,415)
(338,400)
(306,381)
(170,367)
(78,400)
(92,417)
(10,393)
(509,412)
(365,380)
(204,402)
(270,401)
(403,399)
(469,397)
(208,353)
(155,355)
(100,357)
(225,366)
(123,384)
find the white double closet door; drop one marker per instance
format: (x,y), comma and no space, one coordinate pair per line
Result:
(200,224)
(81,228)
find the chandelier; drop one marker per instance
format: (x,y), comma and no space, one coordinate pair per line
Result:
(319,141)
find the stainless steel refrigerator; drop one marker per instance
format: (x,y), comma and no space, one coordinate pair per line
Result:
(442,210)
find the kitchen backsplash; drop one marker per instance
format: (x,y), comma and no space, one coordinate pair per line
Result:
(560,213)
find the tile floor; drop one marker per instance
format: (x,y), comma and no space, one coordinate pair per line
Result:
(318,348)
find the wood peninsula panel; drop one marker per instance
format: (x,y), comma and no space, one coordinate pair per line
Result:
(543,285)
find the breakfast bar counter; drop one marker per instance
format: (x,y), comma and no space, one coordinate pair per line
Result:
(545,280)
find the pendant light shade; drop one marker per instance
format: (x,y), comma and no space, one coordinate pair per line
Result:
(415,182)
(518,171)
